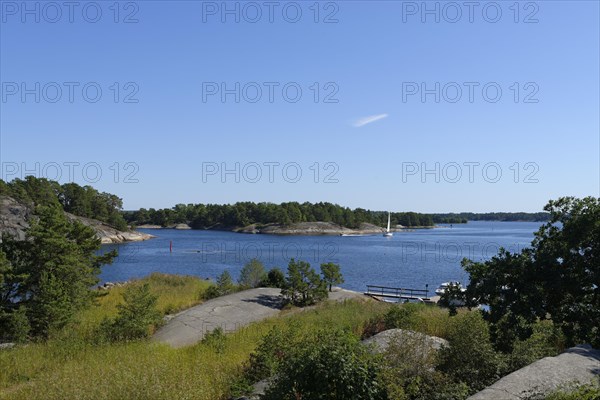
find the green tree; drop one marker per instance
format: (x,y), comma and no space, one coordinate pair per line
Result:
(137,315)
(470,357)
(303,285)
(14,325)
(225,283)
(252,274)
(52,271)
(331,274)
(558,277)
(275,278)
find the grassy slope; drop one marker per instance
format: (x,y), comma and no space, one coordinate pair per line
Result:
(72,368)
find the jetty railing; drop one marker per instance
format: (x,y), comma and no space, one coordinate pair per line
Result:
(398,293)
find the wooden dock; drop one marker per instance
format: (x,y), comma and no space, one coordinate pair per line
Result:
(386,292)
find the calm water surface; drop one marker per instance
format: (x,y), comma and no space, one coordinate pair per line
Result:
(408,259)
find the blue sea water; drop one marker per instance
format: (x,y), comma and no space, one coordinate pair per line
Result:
(410,259)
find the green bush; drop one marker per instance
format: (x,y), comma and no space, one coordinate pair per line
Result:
(410,374)
(216,339)
(402,316)
(470,357)
(223,287)
(275,278)
(14,326)
(328,364)
(136,316)
(211,292)
(271,351)
(252,274)
(546,341)
(583,392)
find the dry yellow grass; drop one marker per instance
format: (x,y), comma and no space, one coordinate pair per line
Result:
(71,367)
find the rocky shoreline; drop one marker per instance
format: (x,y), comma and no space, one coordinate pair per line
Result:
(298,229)
(14,220)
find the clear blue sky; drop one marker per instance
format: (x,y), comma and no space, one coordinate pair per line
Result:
(378,135)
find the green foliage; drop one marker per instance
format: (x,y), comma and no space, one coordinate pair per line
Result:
(430,320)
(303,285)
(470,357)
(215,339)
(84,201)
(275,278)
(15,325)
(225,283)
(402,316)
(223,287)
(461,218)
(206,216)
(329,364)
(331,274)
(51,272)
(271,351)
(69,368)
(410,374)
(137,316)
(578,392)
(545,341)
(252,274)
(557,277)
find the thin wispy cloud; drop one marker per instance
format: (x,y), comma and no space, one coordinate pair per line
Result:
(367,120)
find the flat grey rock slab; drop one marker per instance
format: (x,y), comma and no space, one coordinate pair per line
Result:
(578,364)
(229,312)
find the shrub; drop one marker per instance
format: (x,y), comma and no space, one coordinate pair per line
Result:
(215,339)
(224,286)
(470,358)
(546,341)
(271,351)
(402,316)
(210,293)
(136,317)
(275,278)
(410,374)
(252,274)
(583,392)
(329,364)
(14,326)
(225,283)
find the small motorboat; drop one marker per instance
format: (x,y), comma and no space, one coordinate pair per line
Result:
(444,286)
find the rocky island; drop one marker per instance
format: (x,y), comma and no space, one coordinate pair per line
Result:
(15,217)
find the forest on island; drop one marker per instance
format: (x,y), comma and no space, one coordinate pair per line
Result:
(204,216)
(83,201)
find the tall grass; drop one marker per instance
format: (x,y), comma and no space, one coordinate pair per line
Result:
(71,367)
(174,293)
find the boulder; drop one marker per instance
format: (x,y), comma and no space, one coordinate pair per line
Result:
(580,364)
(14,217)
(382,340)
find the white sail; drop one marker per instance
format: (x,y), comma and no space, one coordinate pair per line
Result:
(389,216)
(388,232)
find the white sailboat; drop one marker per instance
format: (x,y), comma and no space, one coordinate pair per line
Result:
(388,232)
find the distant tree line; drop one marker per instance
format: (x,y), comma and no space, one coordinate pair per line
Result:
(203,216)
(83,201)
(464,217)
